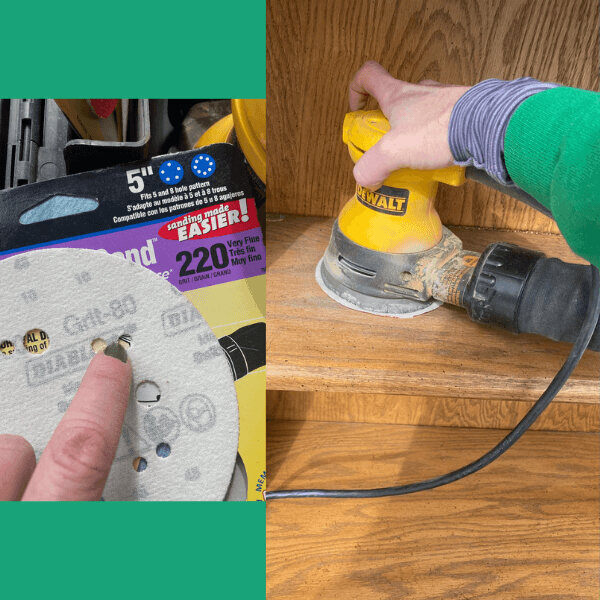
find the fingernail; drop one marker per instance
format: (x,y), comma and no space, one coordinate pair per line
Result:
(116,351)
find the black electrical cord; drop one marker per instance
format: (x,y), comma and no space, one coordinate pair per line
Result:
(581,343)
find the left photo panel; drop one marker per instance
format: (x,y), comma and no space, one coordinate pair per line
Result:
(132,335)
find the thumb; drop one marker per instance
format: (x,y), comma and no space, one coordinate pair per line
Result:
(379,161)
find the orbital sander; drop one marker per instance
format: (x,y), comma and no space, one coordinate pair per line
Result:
(389,254)
(385,242)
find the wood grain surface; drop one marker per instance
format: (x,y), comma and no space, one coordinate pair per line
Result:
(315,344)
(424,410)
(526,527)
(314,47)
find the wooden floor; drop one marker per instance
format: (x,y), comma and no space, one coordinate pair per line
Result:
(526,527)
(423,410)
(358,400)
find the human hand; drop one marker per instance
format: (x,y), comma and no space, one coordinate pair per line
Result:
(78,457)
(419,115)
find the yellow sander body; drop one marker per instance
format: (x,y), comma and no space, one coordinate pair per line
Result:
(383,238)
(399,217)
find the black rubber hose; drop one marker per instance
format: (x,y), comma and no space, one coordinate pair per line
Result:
(581,343)
(555,300)
(523,291)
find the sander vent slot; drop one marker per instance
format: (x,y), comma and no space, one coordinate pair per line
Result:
(358,269)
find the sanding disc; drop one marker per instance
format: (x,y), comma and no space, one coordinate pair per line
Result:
(180,436)
(399,308)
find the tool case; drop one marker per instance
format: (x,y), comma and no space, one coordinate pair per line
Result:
(37,142)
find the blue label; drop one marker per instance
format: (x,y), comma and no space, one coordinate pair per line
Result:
(203,165)
(170,172)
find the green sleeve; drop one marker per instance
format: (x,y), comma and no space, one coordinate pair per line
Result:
(552,151)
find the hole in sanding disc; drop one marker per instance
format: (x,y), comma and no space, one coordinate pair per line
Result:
(140,464)
(147,392)
(163,450)
(7,347)
(36,341)
(125,340)
(98,345)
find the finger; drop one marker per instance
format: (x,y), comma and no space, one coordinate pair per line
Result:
(78,457)
(379,161)
(17,462)
(370,80)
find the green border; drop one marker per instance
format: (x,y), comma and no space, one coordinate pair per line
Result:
(162,550)
(139,549)
(133,50)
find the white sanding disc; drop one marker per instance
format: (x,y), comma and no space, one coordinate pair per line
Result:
(187,438)
(387,308)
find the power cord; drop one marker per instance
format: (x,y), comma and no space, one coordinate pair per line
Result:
(581,343)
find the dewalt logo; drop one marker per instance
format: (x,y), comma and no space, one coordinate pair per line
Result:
(391,201)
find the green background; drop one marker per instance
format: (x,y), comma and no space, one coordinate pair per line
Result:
(110,550)
(169,49)
(146,549)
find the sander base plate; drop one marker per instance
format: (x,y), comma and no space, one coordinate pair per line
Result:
(398,307)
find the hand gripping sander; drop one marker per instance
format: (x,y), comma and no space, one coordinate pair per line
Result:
(389,249)
(389,254)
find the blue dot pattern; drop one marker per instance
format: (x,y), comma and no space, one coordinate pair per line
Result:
(203,165)
(170,172)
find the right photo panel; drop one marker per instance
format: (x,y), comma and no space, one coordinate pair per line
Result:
(433,298)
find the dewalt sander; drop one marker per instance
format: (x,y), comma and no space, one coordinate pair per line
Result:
(389,254)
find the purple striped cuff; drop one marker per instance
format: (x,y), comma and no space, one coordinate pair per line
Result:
(479,120)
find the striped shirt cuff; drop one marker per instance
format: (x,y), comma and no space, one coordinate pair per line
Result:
(479,120)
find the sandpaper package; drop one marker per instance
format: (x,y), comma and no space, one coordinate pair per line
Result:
(168,254)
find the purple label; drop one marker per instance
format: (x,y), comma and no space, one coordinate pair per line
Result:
(188,265)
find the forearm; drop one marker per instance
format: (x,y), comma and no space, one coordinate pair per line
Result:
(552,151)
(543,138)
